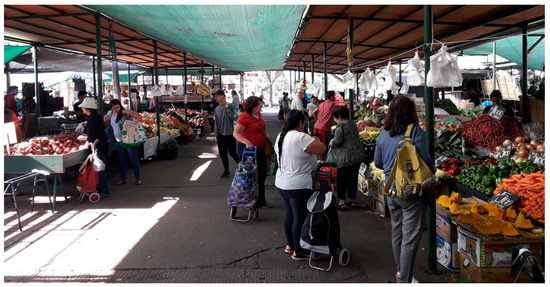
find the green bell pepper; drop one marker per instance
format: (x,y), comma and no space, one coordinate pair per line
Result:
(522,164)
(529,169)
(479,187)
(488,181)
(504,173)
(493,169)
(503,164)
(488,190)
(483,170)
(498,181)
(478,178)
(460,178)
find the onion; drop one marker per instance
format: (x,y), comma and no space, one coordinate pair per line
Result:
(507,142)
(534,142)
(520,140)
(497,148)
(540,148)
(529,147)
(520,146)
(522,153)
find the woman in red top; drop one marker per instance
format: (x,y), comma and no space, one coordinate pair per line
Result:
(248,133)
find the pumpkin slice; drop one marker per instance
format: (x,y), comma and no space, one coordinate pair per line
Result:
(511,213)
(522,222)
(466,216)
(496,212)
(456,197)
(477,207)
(455,208)
(444,201)
(486,225)
(507,228)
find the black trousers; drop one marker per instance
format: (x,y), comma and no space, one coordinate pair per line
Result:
(227,144)
(347,181)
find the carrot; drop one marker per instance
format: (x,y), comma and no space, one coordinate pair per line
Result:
(506,180)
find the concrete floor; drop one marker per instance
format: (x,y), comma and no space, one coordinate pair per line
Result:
(175,228)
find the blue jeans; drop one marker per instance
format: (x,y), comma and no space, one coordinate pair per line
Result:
(295,202)
(125,153)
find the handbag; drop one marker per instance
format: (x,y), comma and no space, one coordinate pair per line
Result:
(269,151)
(133,134)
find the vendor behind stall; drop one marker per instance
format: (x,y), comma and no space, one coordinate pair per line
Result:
(496,98)
(80,115)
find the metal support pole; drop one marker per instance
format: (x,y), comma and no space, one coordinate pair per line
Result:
(130,88)
(93,76)
(304,72)
(525,115)
(495,66)
(99,64)
(400,74)
(36,83)
(202,82)
(312,69)
(325,68)
(185,84)
(350,68)
(157,102)
(429,101)
(290,82)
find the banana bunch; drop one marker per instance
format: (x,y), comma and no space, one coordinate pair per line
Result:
(204,90)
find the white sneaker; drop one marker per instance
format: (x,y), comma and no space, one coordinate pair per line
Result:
(414,281)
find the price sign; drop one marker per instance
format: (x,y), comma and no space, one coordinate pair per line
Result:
(497,112)
(441,160)
(503,199)
(536,157)
(441,131)
(504,152)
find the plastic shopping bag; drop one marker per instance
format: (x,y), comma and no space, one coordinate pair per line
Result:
(349,80)
(404,88)
(389,78)
(444,70)
(98,164)
(179,90)
(415,76)
(272,166)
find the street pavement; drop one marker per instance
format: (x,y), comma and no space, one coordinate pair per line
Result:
(175,228)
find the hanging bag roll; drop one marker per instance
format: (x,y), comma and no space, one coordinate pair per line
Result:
(133,134)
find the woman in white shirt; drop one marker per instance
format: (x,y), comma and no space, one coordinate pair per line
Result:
(296,152)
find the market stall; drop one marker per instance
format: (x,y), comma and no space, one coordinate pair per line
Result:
(52,154)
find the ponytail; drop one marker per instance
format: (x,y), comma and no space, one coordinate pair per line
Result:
(292,121)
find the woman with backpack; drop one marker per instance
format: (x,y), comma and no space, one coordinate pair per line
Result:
(407,217)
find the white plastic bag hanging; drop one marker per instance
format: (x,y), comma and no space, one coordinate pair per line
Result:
(363,81)
(389,77)
(404,88)
(179,90)
(415,76)
(349,80)
(444,70)
(155,91)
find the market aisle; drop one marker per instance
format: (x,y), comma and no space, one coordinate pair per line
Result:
(176,228)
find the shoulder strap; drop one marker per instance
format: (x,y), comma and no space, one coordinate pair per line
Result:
(389,182)
(408,133)
(258,122)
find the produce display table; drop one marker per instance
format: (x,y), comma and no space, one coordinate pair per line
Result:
(468,192)
(488,258)
(53,164)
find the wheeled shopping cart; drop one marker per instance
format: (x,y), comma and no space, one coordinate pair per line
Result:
(321,230)
(244,189)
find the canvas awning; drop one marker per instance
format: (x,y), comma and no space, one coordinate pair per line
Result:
(510,48)
(11,52)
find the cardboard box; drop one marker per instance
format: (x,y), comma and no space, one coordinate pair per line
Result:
(470,273)
(491,255)
(447,254)
(445,227)
(380,206)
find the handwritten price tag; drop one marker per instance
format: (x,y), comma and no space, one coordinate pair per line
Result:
(504,152)
(503,199)
(536,157)
(497,112)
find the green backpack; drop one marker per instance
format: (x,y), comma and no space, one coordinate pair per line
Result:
(412,175)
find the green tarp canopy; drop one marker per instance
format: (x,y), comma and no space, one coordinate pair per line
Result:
(11,52)
(122,77)
(236,37)
(511,49)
